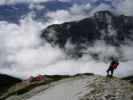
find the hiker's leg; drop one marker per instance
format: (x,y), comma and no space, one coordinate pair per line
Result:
(112,71)
(108,71)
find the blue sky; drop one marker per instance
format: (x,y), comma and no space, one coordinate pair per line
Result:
(121,6)
(13,10)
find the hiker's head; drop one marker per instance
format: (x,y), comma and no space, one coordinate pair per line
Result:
(114,59)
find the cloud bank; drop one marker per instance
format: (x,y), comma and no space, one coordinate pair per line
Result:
(23,53)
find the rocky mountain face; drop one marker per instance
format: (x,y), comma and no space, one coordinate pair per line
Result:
(78,87)
(113,29)
(6,82)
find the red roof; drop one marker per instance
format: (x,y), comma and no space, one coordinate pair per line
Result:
(39,77)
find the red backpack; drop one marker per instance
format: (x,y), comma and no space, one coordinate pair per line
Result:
(115,66)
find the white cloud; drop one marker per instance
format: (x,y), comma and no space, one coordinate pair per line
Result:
(76,12)
(59,16)
(125,7)
(22,50)
(33,6)
(103,50)
(2,2)
(64,0)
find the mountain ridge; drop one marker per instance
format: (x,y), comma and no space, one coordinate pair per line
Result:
(6,82)
(80,87)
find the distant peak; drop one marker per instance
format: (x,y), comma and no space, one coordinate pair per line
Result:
(103,14)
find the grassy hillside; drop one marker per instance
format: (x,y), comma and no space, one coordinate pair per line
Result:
(25,86)
(6,82)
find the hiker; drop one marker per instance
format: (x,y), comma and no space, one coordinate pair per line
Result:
(113,65)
